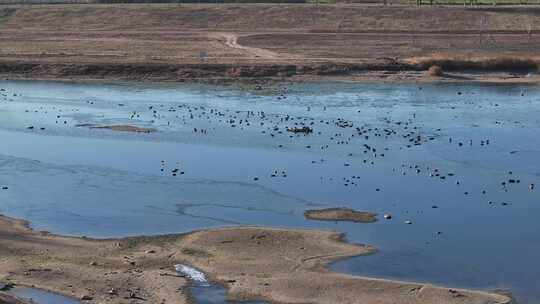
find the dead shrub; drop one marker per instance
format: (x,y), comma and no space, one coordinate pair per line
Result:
(484,63)
(435,71)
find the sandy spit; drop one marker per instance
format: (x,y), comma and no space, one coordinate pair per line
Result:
(341,214)
(279,265)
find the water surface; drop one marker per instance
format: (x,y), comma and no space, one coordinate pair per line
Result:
(435,155)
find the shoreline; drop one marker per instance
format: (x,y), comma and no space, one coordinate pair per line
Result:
(251,262)
(256,74)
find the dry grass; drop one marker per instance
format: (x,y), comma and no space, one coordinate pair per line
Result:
(265,17)
(435,71)
(486,63)
(166,41)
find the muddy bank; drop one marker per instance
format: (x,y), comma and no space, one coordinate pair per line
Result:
(341,214)
(390,71)
(179,72)
(7,299)
(274,264)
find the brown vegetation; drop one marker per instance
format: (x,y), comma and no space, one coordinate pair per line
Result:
(177,42)
(435,71)
(486,63)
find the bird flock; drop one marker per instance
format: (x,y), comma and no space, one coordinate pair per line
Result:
(359,141)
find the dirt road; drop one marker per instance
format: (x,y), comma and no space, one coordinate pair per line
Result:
(231,40)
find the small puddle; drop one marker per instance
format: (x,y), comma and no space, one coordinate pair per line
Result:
(204,292)
(39,296)
(215,294)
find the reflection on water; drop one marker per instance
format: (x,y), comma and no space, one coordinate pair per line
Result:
(458,161)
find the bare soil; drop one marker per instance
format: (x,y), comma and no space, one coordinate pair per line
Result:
(169,42)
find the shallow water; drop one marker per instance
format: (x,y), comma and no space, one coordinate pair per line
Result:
(82,181)
(39,296)
(205,292)
(215,294)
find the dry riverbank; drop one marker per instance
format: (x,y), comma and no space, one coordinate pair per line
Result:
(282,266)
(259,73)
(231,42)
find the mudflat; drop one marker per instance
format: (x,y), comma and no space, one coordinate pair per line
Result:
(279,265)
(341,214)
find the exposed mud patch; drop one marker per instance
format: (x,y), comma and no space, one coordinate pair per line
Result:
(341,214)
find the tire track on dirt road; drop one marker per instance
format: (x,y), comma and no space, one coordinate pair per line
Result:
(231,40)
